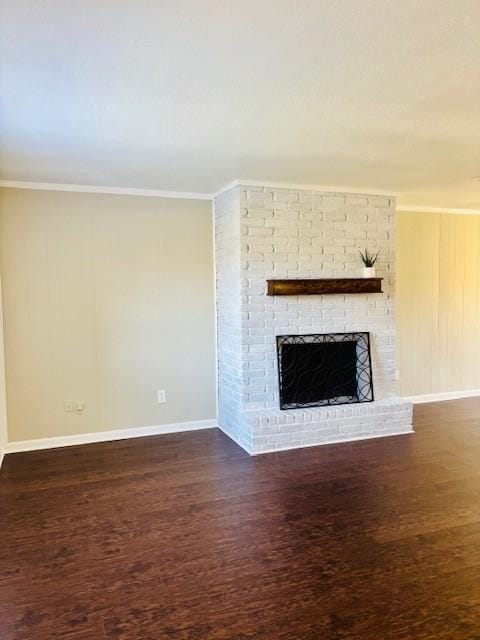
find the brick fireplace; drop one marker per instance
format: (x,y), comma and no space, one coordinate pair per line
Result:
(264,233)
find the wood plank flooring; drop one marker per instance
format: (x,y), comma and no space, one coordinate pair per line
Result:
(185,537)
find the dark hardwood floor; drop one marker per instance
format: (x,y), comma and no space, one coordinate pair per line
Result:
(185,537)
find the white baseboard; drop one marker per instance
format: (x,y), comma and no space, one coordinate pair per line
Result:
(107,436)
(2,455)
(444,395)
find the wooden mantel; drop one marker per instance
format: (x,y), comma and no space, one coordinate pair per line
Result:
(321,286)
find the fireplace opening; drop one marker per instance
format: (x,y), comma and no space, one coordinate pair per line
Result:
(324,369)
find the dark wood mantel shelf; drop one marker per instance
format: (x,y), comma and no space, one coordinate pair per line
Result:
(320,286)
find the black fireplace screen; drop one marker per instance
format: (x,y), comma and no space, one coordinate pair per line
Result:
(324,369)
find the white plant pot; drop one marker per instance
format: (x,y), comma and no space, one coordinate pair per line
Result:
(369,272)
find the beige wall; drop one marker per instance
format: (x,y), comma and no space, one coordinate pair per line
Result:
(438,302)
(106,299)
(3,406)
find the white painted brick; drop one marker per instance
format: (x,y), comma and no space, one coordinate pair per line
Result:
(253,213)
(279,438)
(357,201)
(254,231)
(280,195)
(256,222)
(280,232)
(328,229)
(333,202)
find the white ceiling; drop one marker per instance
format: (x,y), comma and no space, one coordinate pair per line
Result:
(187,95)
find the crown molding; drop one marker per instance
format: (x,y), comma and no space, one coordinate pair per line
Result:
(188,195)
(304,187)
(227,187)
(85,188)
(420,209)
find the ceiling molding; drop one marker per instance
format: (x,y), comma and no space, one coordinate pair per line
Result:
(304,187)
(421,209)
(227,187)
(155,193)
(85,188)
(187,195)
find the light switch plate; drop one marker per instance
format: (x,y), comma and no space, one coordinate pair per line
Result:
(68,406)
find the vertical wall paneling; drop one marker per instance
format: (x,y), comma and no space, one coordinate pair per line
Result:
(438,302)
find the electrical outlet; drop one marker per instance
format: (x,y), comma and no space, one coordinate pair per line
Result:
(161,396)
(79,406)
(68,406)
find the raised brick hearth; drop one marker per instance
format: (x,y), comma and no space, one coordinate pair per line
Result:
(264,233)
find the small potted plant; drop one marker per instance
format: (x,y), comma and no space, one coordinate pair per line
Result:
(369,260)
